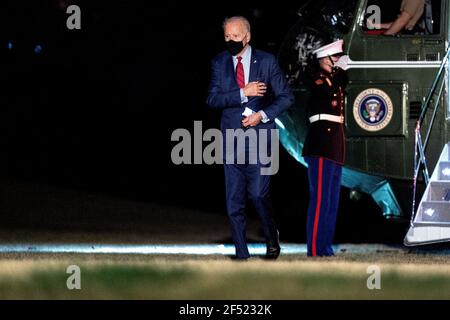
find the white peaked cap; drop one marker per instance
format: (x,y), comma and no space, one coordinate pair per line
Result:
(330,49)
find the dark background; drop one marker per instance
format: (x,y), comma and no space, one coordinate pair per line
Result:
(94,109)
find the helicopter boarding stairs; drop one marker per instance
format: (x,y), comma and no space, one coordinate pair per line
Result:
(432,221)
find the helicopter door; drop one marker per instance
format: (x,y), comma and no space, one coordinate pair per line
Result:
(395,72)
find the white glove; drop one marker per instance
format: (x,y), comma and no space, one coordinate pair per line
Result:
(343,62)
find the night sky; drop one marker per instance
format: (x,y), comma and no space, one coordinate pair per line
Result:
(94,109)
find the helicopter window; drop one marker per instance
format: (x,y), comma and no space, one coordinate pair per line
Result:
(402,17)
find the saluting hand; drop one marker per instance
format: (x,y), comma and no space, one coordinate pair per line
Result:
(255,89)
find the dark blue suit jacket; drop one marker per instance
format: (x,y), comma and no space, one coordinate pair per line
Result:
(224,92)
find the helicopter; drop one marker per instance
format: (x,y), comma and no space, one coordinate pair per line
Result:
(398,90)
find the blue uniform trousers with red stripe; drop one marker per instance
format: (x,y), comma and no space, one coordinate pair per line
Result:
(324,186)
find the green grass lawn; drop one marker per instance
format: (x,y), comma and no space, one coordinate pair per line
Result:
(403,276)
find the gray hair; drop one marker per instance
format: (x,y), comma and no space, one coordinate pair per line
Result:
(242,19)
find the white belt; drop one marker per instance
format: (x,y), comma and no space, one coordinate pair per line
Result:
(328,117)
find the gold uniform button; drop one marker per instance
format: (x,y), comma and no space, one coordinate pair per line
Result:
(329,130)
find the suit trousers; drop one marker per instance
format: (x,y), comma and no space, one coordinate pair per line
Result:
(242,180)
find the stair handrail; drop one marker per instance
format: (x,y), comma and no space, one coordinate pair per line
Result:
(419,146)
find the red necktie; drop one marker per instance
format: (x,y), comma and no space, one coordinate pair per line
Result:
(240,73)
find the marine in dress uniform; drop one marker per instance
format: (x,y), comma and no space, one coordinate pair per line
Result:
(324,148)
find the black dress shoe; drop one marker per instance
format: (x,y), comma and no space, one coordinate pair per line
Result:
(273,253)
(273,248)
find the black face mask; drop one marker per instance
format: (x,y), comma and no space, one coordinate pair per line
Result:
(234,47)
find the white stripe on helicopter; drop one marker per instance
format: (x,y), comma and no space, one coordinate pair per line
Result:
(393,64)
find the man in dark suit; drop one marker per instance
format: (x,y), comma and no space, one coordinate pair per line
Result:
(251,90)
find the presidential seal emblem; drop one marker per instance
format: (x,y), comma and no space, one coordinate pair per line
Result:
(373,110)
